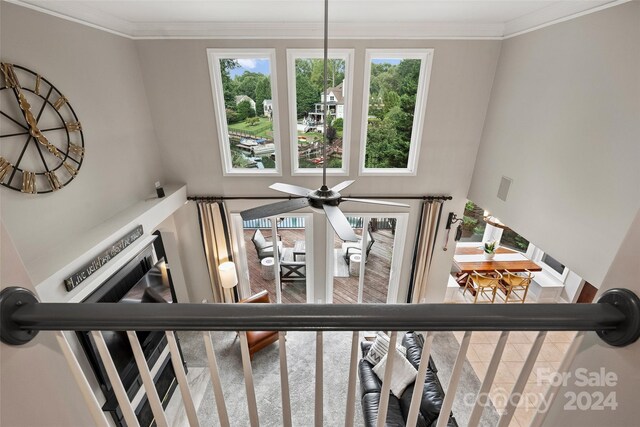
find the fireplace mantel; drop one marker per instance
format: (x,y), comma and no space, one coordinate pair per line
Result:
(50,270)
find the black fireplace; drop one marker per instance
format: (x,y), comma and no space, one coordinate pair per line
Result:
(138,282)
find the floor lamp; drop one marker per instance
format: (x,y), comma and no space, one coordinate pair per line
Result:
(228,279)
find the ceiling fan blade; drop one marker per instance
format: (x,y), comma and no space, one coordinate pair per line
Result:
(339,223)
(342,186)
(290,189)
(374,202)
(274,209)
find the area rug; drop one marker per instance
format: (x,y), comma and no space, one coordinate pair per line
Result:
(266,376)
(301,366)
(340,266)
(444,351)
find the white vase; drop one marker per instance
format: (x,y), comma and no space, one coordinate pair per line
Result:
(489,256)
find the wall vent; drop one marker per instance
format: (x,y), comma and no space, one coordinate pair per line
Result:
(505,183)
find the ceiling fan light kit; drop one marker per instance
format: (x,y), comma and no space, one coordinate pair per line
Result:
(324,199)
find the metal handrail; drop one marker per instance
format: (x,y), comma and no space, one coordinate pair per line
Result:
(616,317)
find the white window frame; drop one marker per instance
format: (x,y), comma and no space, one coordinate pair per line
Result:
(347,56)
(214,56)
(240,255)
(396,255)
(536,254)
(426,57)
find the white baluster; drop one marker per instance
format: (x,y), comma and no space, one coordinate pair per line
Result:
(450,394)
(248,380)
(516,393)
(412,417)
(215,380)
(183,383)
(284,380)
(552,390)
(386,382)
(319,381)
(95,410)
(147,381)
(351,389)
(121,394)
(483,394)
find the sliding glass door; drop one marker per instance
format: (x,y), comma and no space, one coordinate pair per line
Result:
(366,271)
(363,271)
(283,269)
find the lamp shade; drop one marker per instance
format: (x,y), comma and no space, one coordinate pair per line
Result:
(228,274)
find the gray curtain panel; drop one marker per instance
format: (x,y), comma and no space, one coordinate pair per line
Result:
(425,246)
(216,239)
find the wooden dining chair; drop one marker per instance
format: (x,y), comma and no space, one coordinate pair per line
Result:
(512,282)
(483,284)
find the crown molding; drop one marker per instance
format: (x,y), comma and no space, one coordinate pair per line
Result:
(555,13)
(551,15)
(341,30)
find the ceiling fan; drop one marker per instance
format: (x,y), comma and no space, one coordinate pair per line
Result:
(325,198)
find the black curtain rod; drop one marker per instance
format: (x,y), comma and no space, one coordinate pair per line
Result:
(216,198)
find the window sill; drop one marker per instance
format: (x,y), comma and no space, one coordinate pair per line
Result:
(318,172)
(387,172)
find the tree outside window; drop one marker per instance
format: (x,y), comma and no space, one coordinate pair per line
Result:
(397,88)
(243,94)
(309,114)
(473,224)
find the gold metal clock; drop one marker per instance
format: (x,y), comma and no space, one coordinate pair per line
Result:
(42,141)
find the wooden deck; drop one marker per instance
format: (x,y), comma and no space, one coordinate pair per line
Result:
(345,289)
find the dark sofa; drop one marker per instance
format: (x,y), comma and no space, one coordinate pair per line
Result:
(432,394)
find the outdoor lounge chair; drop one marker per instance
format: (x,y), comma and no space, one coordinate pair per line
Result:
(292,267)
(351,248)
(264,247)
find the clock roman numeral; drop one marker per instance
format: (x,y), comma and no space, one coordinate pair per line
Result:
(73,126)
(76,149)
(5,168)
(28,182)
(38,81)
(53,180)
(72,171)
(10,79)
(59,102)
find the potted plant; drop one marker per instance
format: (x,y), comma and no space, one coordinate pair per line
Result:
(490,249)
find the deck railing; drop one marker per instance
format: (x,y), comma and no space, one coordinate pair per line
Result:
(615,318)
(298,222)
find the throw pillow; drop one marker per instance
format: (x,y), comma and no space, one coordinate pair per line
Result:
(259,239)
(402,375)
(379,349)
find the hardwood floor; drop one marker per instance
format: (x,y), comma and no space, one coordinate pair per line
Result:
(345,289)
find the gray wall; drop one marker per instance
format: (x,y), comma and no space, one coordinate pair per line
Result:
(593,354)
(100,75)
(176,76)
(564,124)
(36,386)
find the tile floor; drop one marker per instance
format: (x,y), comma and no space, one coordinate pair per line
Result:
(518,345)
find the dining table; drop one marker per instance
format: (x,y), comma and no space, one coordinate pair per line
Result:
(471,258)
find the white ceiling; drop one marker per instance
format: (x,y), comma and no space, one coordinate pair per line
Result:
(303,18)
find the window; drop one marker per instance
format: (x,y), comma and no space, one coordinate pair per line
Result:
(306,98)
(553,263)
(369,274)
(473,224)
(513,240)
(245,97)
(396,83)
